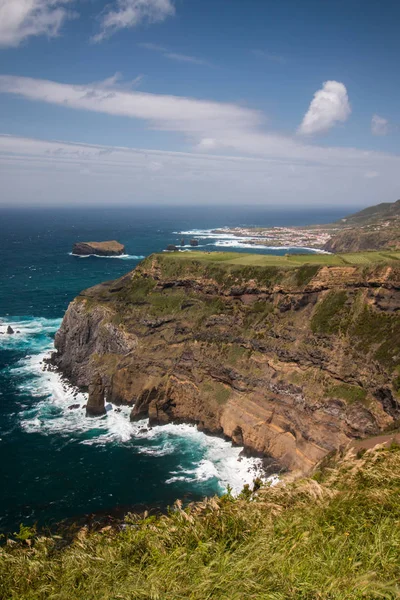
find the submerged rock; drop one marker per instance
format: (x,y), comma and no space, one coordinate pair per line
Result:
(110,248)
(73,406)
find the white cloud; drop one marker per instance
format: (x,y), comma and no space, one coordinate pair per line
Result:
(206,125)
(185,58)
(36,171)
(168,113)
(379,125)
(124,14)
(21,19)
(329,106)
(173,55)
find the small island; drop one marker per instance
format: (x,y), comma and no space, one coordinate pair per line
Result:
(110,248)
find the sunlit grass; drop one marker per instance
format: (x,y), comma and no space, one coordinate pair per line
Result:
(287,260)
(333,536)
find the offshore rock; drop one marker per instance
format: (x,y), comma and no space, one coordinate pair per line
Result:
(10,330)
(290,363)
(110,248)
(95,406)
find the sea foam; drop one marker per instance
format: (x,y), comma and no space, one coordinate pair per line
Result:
(121,256)
(47,398)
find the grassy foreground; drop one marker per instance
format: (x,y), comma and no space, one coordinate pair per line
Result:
(334,536)
(288,260)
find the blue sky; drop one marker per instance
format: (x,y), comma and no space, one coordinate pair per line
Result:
(199,101)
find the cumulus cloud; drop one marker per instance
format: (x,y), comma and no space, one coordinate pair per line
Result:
(123,14)
(329,106)
(21,19)
(379,125)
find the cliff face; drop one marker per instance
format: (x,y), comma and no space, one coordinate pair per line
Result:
(291,363)
(365,238)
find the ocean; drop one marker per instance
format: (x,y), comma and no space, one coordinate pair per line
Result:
(55,463)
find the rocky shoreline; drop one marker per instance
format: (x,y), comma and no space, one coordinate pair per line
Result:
(287,363)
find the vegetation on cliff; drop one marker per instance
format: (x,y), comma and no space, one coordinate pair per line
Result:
(374,228)
(291,359)
(334,536)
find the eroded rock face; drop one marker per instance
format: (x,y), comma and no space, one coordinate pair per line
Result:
(110,248)
(290,363)
(95,406)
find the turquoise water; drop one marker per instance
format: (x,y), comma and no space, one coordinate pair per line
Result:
(55,463)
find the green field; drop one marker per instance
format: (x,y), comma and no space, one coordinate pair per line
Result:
(288,260)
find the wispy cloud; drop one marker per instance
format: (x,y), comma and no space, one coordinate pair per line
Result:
(55,172)
(276,58)
(22,19)
(124,14)
(154,47)
(174,55)
(379,125)
(329,106)
(186,58)
(207,125)
(117,81)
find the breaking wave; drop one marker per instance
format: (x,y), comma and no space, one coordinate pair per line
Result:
(50,406)
(121,256)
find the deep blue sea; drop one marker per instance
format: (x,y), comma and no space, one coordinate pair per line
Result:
(55,463)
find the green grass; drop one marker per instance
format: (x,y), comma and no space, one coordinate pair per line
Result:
(331,314)
(332,537)
(349,393)
(288,260)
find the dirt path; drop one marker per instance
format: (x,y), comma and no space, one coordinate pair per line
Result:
(379,439)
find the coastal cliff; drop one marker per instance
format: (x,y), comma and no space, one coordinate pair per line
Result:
(290,361)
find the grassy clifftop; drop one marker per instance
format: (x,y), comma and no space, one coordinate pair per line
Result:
(286,261)
(333,536)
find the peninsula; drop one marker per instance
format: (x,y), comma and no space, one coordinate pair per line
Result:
(292,356)
(110,248)
(374,228)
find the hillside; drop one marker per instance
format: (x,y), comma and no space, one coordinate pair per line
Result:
(334,536)
(374,228)
(292,359)
(374,214)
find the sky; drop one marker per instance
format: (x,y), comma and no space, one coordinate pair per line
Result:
(274,103)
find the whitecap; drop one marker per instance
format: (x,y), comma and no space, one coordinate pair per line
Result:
(121,256)
(47,412)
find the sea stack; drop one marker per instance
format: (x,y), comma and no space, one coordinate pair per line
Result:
(171,248)
(110,248)
(194,242)
(95,406)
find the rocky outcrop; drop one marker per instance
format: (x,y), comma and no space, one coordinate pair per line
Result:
(291,363)
(110,248)
(95,406)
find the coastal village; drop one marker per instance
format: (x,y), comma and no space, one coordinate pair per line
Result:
(315,238)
